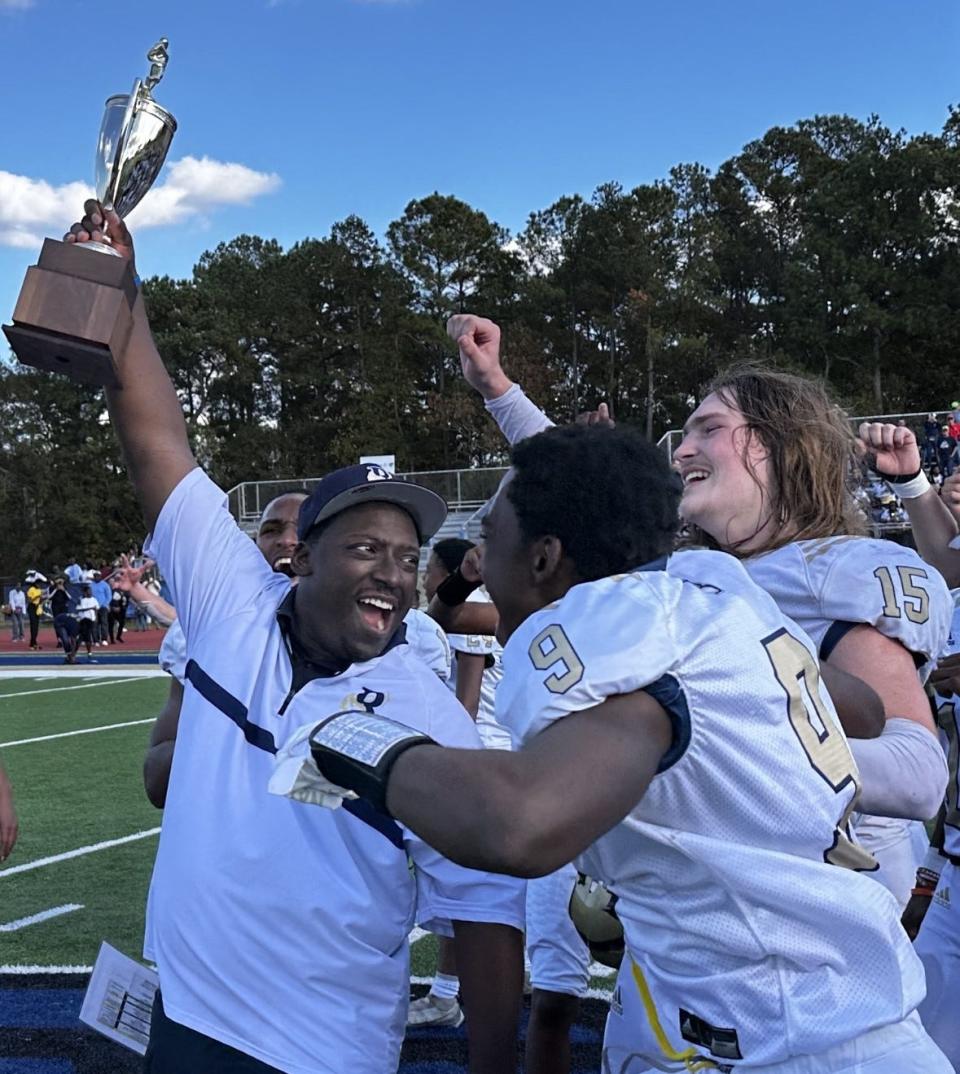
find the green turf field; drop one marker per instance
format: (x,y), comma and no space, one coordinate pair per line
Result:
(73,746)
(74,793)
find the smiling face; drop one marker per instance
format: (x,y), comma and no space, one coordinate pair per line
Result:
(277,533)
(357,580)
(726,476)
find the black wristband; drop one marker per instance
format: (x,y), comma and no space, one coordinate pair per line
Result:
(356,750)
(899,479)
(455,589)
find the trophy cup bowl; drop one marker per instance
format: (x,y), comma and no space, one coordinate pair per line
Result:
(75,312)
(134,138)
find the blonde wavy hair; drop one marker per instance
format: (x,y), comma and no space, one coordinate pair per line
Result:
(813,454)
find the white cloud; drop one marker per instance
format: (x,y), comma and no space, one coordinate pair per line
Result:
(195,187)
(31,208)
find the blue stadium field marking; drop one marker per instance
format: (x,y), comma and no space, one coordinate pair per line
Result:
(40,1008)
(37,1066)
(55,659)
(57,689)
(43,915)
(82,731)
(78,853)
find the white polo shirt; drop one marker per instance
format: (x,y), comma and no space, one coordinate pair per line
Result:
(279,928)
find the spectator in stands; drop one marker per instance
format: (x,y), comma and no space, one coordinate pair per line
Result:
(928,443)
(953,426)
(946,446)
(73,572)
(18,609)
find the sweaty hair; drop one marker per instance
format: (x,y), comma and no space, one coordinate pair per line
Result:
(608,495)
(451,550)
(812,450)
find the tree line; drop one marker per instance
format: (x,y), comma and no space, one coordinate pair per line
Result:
(831,247)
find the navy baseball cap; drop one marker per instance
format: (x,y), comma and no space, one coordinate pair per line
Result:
(370,483)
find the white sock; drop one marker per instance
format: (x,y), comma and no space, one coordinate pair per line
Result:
(445,986)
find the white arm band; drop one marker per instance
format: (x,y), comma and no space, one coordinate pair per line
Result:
(516,415)
(903,771)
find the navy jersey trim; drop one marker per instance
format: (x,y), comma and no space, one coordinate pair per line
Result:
(837,630)
(235,710)
(387,827)
(261,739)
(667,692)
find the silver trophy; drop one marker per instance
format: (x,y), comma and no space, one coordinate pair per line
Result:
(134,138)
(74,313)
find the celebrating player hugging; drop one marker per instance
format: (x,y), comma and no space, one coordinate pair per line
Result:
(676,740)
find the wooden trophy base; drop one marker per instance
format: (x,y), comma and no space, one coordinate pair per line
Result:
(74,313)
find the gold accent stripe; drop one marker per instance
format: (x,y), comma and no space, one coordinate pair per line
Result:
(689,1057)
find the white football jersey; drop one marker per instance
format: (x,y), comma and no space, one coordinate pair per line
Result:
(749,938)
(429,642)
(834,583)
(829,584)
(948,723)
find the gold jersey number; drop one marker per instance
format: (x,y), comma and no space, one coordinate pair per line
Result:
(822,741)
(551,648)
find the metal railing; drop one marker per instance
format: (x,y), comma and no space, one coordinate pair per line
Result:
(462,490)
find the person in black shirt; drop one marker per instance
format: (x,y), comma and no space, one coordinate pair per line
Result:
(118,616)
(64,623)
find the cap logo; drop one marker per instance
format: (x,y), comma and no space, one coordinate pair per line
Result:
(377,473)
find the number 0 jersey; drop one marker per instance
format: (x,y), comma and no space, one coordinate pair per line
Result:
(750,942)
(830,584)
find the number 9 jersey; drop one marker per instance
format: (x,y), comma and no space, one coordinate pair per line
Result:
(751,937)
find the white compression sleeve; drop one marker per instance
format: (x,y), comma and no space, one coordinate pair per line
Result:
(903,771)
(516,415)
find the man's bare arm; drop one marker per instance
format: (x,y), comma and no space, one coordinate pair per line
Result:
(529,812)
(163,738)
(145,411)
(896,454)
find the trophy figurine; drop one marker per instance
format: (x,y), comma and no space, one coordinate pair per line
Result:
(75,310)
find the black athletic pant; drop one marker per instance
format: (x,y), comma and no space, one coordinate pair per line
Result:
(175,1049)
(115,619)
(34,623)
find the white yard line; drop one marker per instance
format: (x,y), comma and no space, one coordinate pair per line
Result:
(82,731)
(24,971)
(78,853)
(44,915)
(86,671)
(57,689)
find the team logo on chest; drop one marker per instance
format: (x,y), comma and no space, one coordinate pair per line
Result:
(368,700)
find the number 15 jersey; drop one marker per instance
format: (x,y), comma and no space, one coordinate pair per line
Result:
(751,935)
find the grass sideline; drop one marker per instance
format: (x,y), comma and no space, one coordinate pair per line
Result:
(77,792)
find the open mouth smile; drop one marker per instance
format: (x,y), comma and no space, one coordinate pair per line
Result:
(377,612)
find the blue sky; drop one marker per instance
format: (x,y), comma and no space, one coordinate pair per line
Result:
(295,113)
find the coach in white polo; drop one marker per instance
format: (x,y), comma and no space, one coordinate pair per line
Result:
(279,931)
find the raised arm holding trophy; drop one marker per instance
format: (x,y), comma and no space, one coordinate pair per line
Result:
(74,312)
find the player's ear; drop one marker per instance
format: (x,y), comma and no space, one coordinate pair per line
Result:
(546,559)
(301,562)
